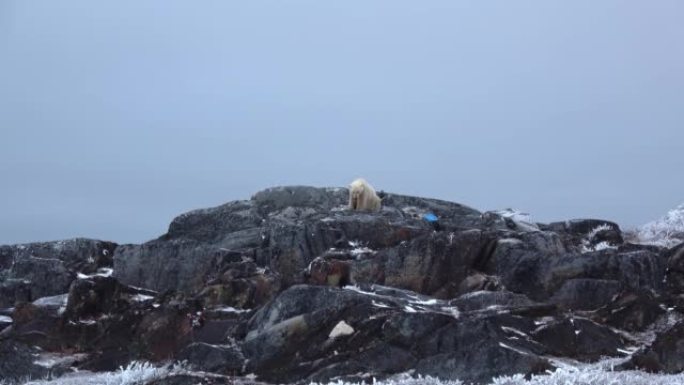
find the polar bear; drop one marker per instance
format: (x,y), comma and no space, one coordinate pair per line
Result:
(362,196)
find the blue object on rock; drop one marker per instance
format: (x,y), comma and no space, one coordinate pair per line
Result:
(430,217)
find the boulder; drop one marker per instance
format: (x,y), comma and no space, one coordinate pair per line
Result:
(316,333)
(224,359)
(632,311)
(585,294)
(36,270)
(666,353)
(538,265)
(578,338)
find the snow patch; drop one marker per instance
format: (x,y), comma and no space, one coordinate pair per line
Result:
(513,349)
(340,330)
(49,360)
(102,272)
(141,297)
(59,301)
(516,215)
(514,331)
(230,309)
(358,251)
(426,302)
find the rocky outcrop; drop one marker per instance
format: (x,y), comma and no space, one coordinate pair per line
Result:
(284,230)
(36,270)
(293,287)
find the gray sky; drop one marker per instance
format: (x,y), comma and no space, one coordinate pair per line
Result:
(117,116)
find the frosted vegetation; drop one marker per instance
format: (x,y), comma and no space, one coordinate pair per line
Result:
(600,373)
(597,374)
(667,231)
(136,373)
(590,375)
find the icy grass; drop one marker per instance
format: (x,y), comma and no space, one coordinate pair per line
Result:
(136,373)
(142,373)
(593,377)
(571,376)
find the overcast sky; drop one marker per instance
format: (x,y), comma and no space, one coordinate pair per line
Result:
(117,116)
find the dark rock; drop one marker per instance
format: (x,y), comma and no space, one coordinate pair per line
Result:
(674,277)
(222,324)
(195,378)
(666,354)
(36,270)
(163,334)
(242,285)
(17,362)
(423,285)
(631,311)
(387,331)
(480,282)
(225,359)
(537,265)
(89,298)
(585,294)
(14,290)
(587,232)
(38,323)
(434,264)
(579,338)
(281,198)
(330,272)
(283,229)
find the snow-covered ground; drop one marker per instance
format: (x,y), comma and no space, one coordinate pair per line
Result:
(667,231)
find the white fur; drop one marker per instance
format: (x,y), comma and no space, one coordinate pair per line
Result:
(362,196)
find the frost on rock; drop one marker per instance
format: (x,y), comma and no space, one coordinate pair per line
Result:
(667,231)
(49,360)
(359,249)
(56,301)
(588,244)
(409,304)
(515,215)
(523,221)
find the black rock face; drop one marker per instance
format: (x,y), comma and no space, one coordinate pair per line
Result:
(666,354)
(35,270)
(293,287)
